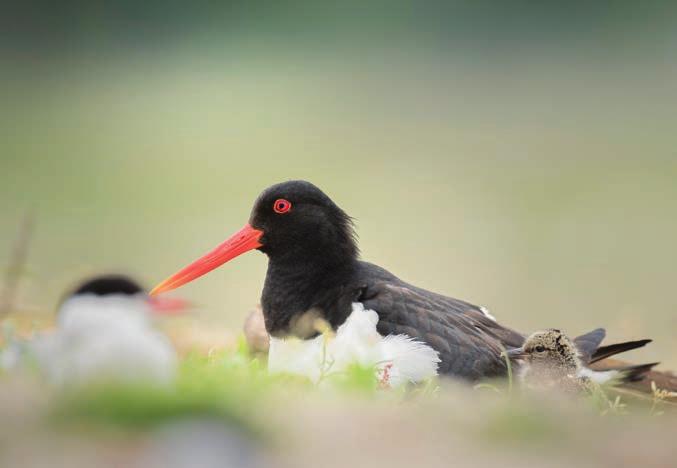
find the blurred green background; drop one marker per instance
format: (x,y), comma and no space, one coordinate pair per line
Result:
(520,155)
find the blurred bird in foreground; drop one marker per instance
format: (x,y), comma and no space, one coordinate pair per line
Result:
(104,332)
(550,360)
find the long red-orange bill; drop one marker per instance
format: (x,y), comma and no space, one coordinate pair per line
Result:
(242,241)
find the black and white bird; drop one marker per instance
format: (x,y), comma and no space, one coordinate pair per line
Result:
(550,360)
(104,332)
(314,270)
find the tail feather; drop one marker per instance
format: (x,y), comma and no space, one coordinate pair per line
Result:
(664,380)
(604,352)
(635,373)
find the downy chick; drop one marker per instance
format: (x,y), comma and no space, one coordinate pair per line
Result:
(551,360)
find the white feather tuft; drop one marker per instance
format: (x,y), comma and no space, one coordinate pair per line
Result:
(398,359)
(412,360)
(298,357)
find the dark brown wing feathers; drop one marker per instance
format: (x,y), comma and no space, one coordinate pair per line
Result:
(604,352)
(469,343)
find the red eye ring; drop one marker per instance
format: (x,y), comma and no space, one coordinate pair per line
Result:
(281,206)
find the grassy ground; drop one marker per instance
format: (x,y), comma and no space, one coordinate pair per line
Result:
(228,400)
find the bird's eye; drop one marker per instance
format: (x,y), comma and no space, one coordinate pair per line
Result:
(281,206)
(539,349)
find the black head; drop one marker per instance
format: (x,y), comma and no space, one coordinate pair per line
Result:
(107,285)
(295,224)
(299,221)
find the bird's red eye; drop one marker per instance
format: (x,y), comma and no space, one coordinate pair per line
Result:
(281,206)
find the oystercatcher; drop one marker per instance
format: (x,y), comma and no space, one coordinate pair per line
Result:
(549,359)
(104,332)
(314,270)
